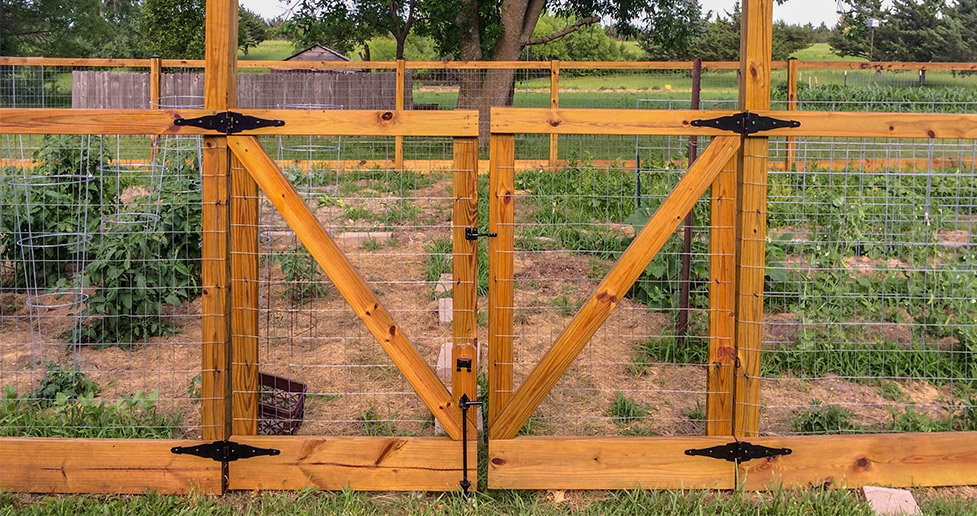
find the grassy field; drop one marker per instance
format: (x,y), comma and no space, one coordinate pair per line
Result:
(664,503)
(270,50)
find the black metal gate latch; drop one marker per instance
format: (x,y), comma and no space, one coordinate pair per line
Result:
(228,122)
(745,123)
(224,451)
(473,234)
(739,451)
(464,403)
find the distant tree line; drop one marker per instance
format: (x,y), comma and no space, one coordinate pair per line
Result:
(910,30)
(115,28)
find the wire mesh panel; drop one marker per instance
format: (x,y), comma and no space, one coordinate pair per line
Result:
(641,374)
(395,228)
(100,283)
(870,289)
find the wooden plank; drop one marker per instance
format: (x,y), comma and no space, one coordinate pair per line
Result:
(220,93)
(74,62)
(614,286)
(215,305)
(132,466)
(504,120)
(677,122)
(307,122)
(720,378)
(347,281)
(884,65)
(791,106)
(756,47)
(554,104)
(606,463)
(501,219)
(465,273)
(155,83)
(840,461)
(358,463)
(244,301)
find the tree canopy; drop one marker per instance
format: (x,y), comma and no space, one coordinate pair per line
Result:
(910,30)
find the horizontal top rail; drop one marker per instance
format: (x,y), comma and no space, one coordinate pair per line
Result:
(679,122)
(297,122)
(483,65)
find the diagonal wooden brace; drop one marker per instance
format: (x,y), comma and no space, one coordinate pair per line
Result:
(347,281)
(621,277)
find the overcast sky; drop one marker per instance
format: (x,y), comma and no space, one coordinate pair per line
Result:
(792,11)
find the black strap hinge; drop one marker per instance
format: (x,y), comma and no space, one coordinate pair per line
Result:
(224,451)
(473,234)
(739,451)
(745,123)
(228,122)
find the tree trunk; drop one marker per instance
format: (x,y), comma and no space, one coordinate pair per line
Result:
(483,90)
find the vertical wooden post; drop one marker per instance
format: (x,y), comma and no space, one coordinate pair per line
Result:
(155,86)
(220,92)
(465,274)
(244,300)
(791,106)
(501,217)
(755,56)
(720,379)
(399,105)
(554,103)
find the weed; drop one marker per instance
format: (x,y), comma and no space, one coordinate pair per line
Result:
(375,425)
(72,383)
(304,279)
(625,410)
(891,391)
(824,419)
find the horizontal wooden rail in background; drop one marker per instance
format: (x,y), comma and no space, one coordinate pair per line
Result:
(485,65)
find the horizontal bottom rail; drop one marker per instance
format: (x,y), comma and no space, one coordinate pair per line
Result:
(130,466)
(835,461)
(359,463)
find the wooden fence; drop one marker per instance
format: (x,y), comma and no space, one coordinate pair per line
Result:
(733,169)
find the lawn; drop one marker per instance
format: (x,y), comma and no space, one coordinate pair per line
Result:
(948,502)
(270,50)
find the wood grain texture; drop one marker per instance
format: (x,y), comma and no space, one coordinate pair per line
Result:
(348,282)
(554,104)
(606,463)
(464,325)
(244,300)
(504,120)
(677,122)
(359,463)
(720,379)
(756,47)
(501,219)
(220,93)
(215,386)
(297,122)
(47,465)
(614,286)
(898,460)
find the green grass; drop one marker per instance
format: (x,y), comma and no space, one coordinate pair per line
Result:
(822,52)
(269,50)
(618,503)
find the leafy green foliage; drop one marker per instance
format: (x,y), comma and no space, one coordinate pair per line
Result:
(718,39)
(64,405)
(251,30)
(626,410)
(173,28)
(823,419)
(591,43)
(139,268)
(129,417)
(304,279)
(72,383)
(62,198)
